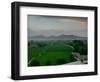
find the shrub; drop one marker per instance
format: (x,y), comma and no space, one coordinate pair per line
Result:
(83,50)
(72,59)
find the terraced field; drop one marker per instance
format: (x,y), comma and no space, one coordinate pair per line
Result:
(54,53)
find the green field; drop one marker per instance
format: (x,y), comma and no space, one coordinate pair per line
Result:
(51,53)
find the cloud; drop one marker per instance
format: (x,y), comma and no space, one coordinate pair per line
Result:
(51,25)
(81,21)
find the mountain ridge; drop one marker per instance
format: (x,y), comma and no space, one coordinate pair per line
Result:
(59,37)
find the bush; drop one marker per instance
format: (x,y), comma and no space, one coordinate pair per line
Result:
(79,46)
(72,59)
(83,50)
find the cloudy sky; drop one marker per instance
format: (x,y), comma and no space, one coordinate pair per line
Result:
(55,25)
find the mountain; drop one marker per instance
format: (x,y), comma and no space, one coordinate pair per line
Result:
(39,36)
(60,37)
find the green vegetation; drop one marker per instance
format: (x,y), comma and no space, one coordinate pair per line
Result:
(79,46)
(45,53)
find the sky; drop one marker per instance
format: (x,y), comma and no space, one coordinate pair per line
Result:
(56,25)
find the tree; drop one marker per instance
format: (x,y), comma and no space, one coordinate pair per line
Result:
(83,50)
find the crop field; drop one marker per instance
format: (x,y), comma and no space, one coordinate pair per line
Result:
(49,53)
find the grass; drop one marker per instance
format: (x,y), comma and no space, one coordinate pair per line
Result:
(53,53)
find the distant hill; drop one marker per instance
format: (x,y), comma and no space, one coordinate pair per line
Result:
(60,37)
